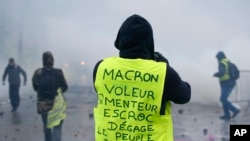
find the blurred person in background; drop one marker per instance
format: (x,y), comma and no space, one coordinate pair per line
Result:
(226,84)
(50,84)
(135,90)
(13,71)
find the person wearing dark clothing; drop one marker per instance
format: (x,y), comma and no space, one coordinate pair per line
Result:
(46,81)
(13,71)
(226,84)
(135,43)
(132,46)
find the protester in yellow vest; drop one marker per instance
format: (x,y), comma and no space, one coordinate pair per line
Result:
(50,84)
(227,84)
(135,90)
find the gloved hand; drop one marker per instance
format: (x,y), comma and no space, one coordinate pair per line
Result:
(215,75)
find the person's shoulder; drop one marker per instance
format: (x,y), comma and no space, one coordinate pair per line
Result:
(172,72)
(98,63)
(7,67)
(17,66)
(38,71)
(58,71)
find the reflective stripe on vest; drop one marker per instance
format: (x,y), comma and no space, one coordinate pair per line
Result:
(129,101)
(58,112)
(225,76)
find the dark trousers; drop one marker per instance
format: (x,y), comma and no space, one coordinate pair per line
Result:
(53,134)
(14,96)
(227,105)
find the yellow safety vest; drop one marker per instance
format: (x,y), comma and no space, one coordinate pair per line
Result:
(129,101)
(58,112)
(226,75)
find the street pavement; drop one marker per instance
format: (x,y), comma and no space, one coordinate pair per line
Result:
(192,121)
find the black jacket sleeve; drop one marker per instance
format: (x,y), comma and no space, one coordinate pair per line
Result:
(5,73)
(36,79)
(95,70)
(175,89)
(62,81)
(23,73)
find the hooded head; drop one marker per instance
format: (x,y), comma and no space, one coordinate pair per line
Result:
(48,60)
(220,55)
(135,38)
(11,61)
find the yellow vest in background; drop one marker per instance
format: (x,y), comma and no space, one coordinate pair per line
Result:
(58,112)
(226,74)
(129,101)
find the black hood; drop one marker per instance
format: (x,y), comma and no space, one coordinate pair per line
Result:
(48,60)
(11,63)
(135,38)
(220,55)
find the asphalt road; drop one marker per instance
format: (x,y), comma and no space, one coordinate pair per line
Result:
(192,122)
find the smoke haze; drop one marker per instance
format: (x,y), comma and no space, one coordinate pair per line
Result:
(79,33)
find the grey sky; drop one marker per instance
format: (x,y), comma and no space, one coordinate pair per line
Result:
(188,32)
